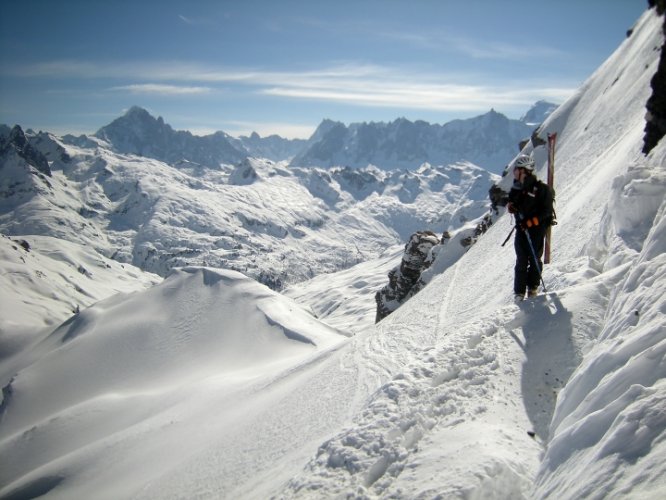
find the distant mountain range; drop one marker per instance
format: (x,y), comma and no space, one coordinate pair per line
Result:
(139,202)
(488,140)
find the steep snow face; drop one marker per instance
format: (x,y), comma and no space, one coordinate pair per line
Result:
(608,432)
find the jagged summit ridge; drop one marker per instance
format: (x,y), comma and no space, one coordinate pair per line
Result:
(14,143)
(489,140)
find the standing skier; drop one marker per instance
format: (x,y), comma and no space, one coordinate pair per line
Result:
(531,202)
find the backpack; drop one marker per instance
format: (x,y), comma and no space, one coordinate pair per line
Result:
(550,202)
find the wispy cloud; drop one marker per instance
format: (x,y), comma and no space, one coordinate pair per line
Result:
(501,51)
(349,83)
(475,48)
(53,69)
(161,89)
(193,21)
(149,71)
(417,96)
(375,86)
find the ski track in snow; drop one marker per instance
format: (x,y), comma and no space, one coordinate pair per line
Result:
(503,369)
(446,302)
(439,388)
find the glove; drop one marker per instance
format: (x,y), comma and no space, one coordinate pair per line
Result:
(511,208)
(528,223)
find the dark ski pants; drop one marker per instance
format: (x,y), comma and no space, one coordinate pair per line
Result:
(527,274)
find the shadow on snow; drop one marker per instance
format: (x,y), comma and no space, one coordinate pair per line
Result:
(551,357)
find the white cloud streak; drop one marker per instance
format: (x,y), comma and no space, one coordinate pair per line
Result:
(196,21)
(352,84)
(504,51)
(422,96)
(161,89)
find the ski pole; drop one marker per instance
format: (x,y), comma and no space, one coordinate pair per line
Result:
(536,260)
(507,238)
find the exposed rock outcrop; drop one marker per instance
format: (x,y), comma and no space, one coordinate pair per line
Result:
(16,142)
(655,118)
(404,278)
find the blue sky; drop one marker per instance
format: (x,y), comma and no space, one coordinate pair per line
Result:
(72,66)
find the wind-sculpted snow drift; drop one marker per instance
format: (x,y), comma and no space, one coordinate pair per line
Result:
(146,364)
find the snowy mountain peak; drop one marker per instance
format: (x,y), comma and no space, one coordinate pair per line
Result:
(488,140)
(324,127)
(138,113)
(538,113)
(491,120)
(138,132)
(135,121)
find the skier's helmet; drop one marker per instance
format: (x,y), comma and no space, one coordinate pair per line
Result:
(526,162)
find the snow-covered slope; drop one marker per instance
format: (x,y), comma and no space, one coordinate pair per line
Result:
(459,393)
(45,280)
(476,373)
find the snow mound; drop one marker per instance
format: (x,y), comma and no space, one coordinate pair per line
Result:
(117,366)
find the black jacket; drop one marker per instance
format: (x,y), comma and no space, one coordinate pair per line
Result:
(533,198)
